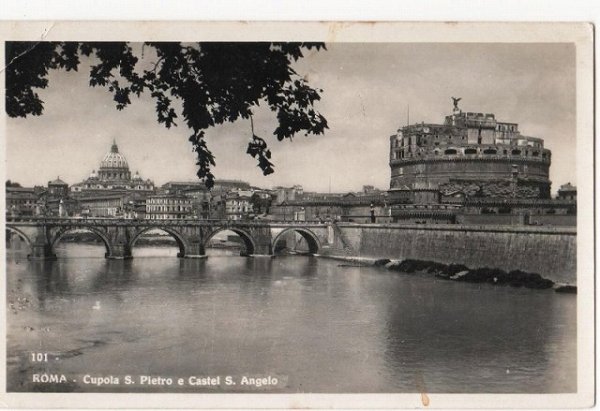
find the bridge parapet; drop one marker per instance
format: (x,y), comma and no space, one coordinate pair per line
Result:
(158,223)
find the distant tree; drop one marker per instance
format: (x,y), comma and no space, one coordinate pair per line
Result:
(12,184)
(213,82)
(260,205)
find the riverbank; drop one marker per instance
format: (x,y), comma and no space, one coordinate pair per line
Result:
(460,272)
(550,251)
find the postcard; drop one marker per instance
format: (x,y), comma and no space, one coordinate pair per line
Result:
(297,215)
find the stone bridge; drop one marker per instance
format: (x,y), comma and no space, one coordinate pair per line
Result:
(42,234)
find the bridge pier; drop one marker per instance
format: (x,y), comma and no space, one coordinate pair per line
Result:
(118,242)
(262,242)
(119,252)
(41,247)
(194,249)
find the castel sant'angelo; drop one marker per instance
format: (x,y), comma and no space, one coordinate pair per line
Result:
(474,161)
(471,154)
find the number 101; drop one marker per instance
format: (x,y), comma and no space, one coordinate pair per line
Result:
(39,357)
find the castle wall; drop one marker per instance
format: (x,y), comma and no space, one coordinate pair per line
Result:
(549,251)
(433,173)
(463,168)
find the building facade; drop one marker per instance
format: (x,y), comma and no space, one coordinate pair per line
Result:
(287,194)
(58,188)
(168,207)
(101,206)
(567,192)
(349,207)
(21,201)
(238,205)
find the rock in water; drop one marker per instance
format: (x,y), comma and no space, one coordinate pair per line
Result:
(381,262)
(567,289)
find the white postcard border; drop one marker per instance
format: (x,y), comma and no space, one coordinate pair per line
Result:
(579,33)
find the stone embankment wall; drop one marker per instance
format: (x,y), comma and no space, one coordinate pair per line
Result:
(549,251)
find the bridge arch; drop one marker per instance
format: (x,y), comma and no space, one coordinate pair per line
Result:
(179,239)
(247,239)
(20,234)
(54,241)
(314,245)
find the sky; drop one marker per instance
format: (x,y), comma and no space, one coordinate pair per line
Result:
(367,88)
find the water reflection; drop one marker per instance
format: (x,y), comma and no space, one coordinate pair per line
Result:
(54,281)
(192,269)
(318,326)
(495,336)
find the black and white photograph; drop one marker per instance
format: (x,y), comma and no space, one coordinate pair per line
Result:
(387,209)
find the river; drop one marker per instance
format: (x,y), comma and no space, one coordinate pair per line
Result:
(308,324)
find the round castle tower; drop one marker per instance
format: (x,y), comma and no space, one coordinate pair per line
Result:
(470,155)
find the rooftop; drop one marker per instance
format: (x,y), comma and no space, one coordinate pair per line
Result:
(57,182)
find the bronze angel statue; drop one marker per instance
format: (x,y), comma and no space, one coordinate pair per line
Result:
(456,100)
